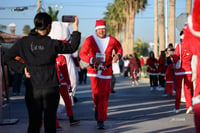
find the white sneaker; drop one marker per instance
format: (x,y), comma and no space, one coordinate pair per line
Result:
(164,95)
(174,93)
(151,88)
(176,110)
(189,110)
(136,83)
(132,84)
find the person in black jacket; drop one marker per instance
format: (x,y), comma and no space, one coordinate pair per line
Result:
(39,53)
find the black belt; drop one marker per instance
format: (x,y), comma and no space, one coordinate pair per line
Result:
(100,68)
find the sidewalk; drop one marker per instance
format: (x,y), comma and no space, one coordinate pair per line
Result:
(131,109)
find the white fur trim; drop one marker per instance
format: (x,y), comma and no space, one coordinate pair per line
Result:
(169,81)
(59,31)
(196,100)
(100,27)
(99,76)
(183,73)
(196,33)
(91,59)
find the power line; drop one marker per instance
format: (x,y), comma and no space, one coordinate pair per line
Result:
(79,18)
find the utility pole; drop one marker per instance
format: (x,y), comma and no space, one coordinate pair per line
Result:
(166,24)
(39,5)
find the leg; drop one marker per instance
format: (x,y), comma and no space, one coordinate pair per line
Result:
(179,79)
(34,107)
(112,85)
(196,109)
(50,100)
(171,89)
(100,94)
(167,87)
(65,95)
(151,80)
(188,87)
(104,92)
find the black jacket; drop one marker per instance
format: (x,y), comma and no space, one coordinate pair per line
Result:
(39,54)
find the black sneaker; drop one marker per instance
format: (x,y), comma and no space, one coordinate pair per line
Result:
(74,122)
(59,128)
(100,125)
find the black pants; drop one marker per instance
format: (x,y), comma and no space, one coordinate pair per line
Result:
(16,83)
(112,82)
(161,81)
(83,75)
(153,80)
(41,103)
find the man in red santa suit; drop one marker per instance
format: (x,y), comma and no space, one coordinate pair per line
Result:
(183,73)
(97,51)
(192,42)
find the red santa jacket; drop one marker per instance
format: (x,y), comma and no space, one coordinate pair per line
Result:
(192,42)
(133,64)
(161,66)
(169,74)
(186,58)
(152,66)
(91,47)
(62,71)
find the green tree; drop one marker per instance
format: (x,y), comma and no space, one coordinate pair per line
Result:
(53,13)
(120,17)
(2,27)
(141,47)
(26,29)
(1,40)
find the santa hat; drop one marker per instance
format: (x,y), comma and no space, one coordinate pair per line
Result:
(60,31)
(194,20)
(100,24)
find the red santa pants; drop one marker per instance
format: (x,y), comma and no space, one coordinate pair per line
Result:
(134,75)
(169,88)
(100,94)
(196,109)
(66,98)
(196,104)
(188,87)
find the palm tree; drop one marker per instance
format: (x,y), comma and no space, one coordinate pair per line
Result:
(26,29)
(3,27)
(172,21)
(161,25)
(131,7)
(188,6)
(156,28)
(114,19)
(121,18)
(53,14)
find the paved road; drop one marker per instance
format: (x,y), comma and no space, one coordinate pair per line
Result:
(131,110)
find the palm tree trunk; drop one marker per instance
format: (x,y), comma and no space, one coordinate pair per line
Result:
(172,22)
(161,25)
(124,39)
(188,6)
(156,28)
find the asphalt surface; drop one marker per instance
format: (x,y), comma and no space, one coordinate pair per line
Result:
(131,110)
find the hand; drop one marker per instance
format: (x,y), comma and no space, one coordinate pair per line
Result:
(75,24)
(27,74)
(115,58)
(97,61)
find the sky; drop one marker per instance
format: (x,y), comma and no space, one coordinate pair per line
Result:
(88,12)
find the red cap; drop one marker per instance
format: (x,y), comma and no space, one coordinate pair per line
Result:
(100,24)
